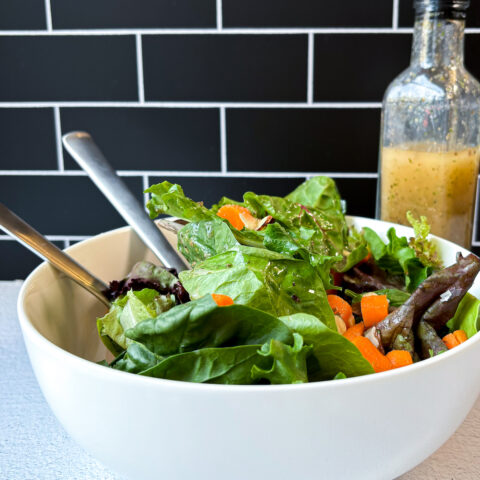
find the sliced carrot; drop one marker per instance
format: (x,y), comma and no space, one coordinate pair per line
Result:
(455,339)
(341,308)
(232,214)
(450,341)
(460,335)
(377,360)
(355,331)
(400,358)
(222,300)
(374,309)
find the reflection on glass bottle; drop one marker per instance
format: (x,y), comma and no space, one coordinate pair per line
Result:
(430,134)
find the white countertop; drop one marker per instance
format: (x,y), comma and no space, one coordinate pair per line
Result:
(34,446)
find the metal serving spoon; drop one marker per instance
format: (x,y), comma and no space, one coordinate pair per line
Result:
(46,250)
(85,152)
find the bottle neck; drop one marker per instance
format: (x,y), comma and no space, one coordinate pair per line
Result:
(438,40)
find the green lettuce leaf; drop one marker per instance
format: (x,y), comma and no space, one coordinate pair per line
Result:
(397,257)
(278,239)
(201,324)
(320,193)
(466,317)
(198,241)
(236,273)
(425,249)
(355,251)
(136,359)
(331,353)
(228,365)
(126,312)
(168,198)
(295,287)
(261,279)
(289,363)
(326,230)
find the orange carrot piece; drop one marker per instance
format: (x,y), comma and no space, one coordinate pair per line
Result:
(377,360)
(374,309)
(222,300)
(232,214)
(400,358)
(355,331)
(341,308)
(450,341)
(460,335)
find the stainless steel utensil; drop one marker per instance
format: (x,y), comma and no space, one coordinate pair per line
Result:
(38,244)
(86,153)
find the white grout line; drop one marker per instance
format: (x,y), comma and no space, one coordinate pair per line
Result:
(209,31)
(48,15)
(395,14)
(66,243)
(219,15)
(182,173)
(141,88)
(310,68)
(223,141)
(150,104)
(58,138)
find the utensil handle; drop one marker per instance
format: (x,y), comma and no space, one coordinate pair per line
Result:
(38,244)
(83,149)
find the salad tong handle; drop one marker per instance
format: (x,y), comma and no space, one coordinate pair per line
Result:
(38,244)
(83,149)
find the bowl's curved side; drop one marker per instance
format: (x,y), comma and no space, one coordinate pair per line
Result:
(374,427)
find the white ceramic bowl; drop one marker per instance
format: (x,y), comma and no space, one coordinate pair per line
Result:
(372,427)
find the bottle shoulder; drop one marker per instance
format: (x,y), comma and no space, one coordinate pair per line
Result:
(433,84)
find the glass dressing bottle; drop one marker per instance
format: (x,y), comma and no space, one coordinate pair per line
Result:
(430,132)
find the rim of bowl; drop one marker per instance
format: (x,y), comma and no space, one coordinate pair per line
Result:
(100,370)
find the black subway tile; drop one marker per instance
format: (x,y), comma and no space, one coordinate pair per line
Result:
(211,189)
(17,261)
(133,13)
(359,194)
(307,13)
(472,54)
(57,205)
(150,138)
(28,139)
(68,68)
(303,139)
(225,67)
(358,67)
(406,14)
(22,15)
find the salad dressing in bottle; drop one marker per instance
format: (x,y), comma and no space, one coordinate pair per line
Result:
(430,134)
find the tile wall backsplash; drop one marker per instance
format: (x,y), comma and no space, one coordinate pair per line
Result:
(222,96)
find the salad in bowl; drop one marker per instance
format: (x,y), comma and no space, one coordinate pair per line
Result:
(282,290)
